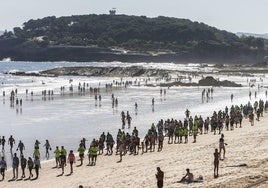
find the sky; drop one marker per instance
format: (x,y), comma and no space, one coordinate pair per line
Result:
(230,15)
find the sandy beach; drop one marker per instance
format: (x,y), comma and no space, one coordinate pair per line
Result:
(246,145)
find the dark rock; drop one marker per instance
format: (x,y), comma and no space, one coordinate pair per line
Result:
(210,81)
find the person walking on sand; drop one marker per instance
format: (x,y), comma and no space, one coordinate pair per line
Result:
(23,163)
(57,156)
(3,167)
(216,163)
(37,166)
(71,159)
(63,154)
(30,167)
(62,161)
(222,146)
(93,153)
(160,177)
(81,151)
(15,166)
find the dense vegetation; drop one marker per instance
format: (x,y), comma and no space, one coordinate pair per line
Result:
(134,33)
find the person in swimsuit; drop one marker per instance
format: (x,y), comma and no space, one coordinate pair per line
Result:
(71,159)
(188,178)
(216,163)
(222,146)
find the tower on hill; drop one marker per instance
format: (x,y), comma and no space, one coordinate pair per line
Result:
(113,11)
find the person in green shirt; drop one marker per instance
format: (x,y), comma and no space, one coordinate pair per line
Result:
(36,153)
(94,154)
(181,134)
(195,130)
(81,151)
(57,156)
(64,154)
(185,133)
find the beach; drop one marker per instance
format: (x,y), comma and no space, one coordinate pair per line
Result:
(65,118)
(246,145)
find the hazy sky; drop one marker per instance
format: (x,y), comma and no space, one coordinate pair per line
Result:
(230,15)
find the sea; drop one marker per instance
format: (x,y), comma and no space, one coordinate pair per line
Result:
(66,117)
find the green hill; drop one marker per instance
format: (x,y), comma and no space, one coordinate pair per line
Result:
(122,37)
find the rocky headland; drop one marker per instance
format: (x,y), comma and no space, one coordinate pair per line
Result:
(139,71)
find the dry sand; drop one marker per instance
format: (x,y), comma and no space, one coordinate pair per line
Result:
(247,145)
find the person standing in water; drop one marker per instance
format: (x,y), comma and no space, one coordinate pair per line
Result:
(48,147)
(11,142)
(21,147)
(3,167)
(128,118)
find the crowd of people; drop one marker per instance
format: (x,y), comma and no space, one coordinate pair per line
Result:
(176,131)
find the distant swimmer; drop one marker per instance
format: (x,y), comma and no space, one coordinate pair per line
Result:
(232,97)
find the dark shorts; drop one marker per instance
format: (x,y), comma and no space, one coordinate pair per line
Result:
(94,157)
(2,170)
(160,184)
(81,155)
